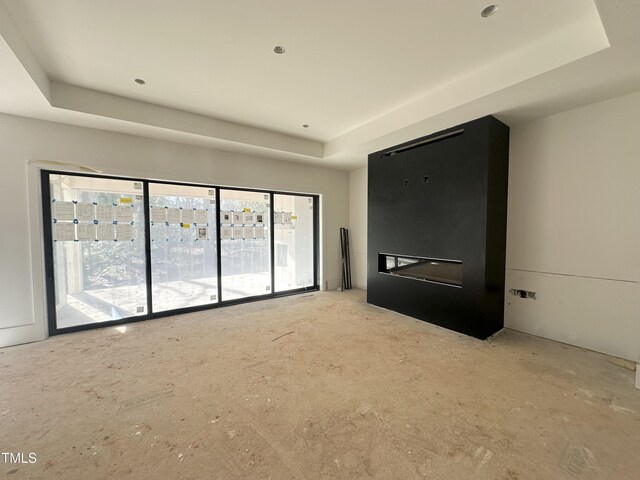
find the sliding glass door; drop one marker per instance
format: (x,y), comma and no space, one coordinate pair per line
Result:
(245,239)
(293,224)
(119,250)
(98,249)
(184,269)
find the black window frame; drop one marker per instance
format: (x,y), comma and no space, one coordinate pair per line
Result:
(45,188)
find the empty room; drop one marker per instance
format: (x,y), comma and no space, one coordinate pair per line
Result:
(320,240)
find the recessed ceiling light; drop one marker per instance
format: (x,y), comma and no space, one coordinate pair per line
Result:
(139,81)
(488,11)
(305,126)
(279,49)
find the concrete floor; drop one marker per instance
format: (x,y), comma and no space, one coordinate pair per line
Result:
(318,386)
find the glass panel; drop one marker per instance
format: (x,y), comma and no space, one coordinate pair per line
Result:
(183,246)
(98,249)
(245,244)
(293,233)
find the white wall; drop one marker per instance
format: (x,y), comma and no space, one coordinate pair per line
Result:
(573,229)
(23,140)
(358,226)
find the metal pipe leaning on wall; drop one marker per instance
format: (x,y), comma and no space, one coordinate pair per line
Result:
(346,259)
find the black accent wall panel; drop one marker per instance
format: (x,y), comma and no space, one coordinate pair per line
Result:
(442,200)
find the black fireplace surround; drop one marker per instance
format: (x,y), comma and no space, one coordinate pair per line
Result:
(437,227)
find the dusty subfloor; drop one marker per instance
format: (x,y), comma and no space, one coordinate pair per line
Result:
(346,391)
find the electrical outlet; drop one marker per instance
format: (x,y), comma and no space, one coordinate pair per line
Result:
(523,293)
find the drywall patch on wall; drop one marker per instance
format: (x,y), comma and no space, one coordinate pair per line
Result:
(573,192)
(600,315)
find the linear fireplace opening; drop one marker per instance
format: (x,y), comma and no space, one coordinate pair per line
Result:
(436,270)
